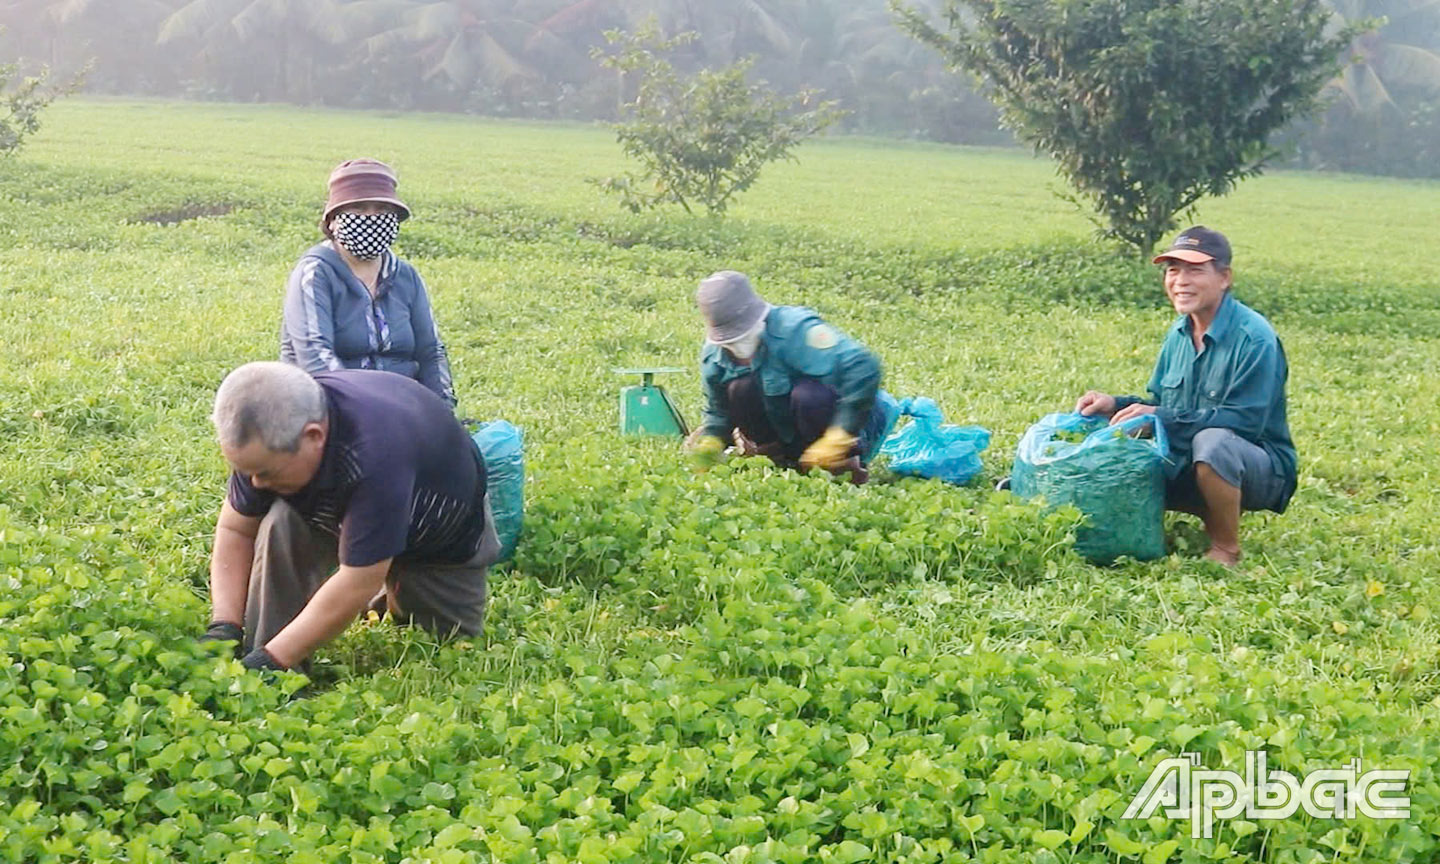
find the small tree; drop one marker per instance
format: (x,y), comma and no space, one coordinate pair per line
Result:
(21,101)
(702,139)
(1147,105)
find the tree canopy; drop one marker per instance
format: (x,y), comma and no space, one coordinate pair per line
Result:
(1147,106)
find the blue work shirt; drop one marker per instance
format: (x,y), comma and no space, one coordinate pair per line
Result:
(1236,382)
(795,344)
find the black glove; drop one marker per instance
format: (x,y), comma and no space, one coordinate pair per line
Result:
(261,659)
(224,631)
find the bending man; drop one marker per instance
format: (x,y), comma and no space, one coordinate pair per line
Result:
(343,485)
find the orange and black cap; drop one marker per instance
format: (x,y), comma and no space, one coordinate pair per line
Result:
(1198,245)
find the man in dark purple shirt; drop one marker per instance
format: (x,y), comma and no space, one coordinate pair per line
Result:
(344,485)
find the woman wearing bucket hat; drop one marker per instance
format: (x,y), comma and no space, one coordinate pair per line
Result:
(782,383)
(351,303)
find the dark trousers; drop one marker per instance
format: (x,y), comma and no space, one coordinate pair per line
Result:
(812,407)
(292,560)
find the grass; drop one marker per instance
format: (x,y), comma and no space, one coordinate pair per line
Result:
(970,279)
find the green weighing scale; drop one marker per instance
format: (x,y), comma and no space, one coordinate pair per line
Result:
(646,409)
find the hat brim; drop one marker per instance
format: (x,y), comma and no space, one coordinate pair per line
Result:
(1189,256)
(330,211)
(734,333)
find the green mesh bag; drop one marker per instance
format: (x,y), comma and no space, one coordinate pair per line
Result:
(1115,479)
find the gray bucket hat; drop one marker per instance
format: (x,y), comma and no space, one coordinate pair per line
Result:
(730,306)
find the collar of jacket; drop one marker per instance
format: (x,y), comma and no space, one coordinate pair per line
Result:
(389,263)
(1224,316)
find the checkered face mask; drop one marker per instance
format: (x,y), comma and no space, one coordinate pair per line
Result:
(365,235)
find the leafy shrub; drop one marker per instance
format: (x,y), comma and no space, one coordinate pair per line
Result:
(702,139)
(1141,123)
(21,101)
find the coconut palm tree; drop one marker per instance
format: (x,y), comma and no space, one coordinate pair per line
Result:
(727,30)
(469,43)
(77,33)
(1400,53)
(296,35)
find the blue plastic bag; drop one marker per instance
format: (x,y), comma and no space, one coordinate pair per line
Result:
(1116,480)
(926,447)
(890,411)
(503,447)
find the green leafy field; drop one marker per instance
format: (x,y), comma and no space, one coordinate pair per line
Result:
(741,666)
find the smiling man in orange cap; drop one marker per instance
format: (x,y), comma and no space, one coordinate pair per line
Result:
(1219,390)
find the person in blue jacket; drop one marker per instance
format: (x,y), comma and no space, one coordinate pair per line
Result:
(781,382)
(1219,390)
(351,303)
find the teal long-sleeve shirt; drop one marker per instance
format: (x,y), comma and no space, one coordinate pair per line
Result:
(1236,382)
(796,343)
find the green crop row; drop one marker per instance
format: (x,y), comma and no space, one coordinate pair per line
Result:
(788,724)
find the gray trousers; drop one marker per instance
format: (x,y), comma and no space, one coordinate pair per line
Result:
(1243,465)
(292,560)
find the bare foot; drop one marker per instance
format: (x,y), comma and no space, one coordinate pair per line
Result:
(1219,554)
(859,474)
(744,445)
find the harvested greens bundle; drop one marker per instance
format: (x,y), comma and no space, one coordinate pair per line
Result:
(1116,480)
(928,447)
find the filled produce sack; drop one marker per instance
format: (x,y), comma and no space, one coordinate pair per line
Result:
(1114,478)
(928,447)
(503,447)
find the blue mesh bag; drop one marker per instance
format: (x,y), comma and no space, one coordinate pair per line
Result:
(503,447)
(928,447)
(1114,478)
